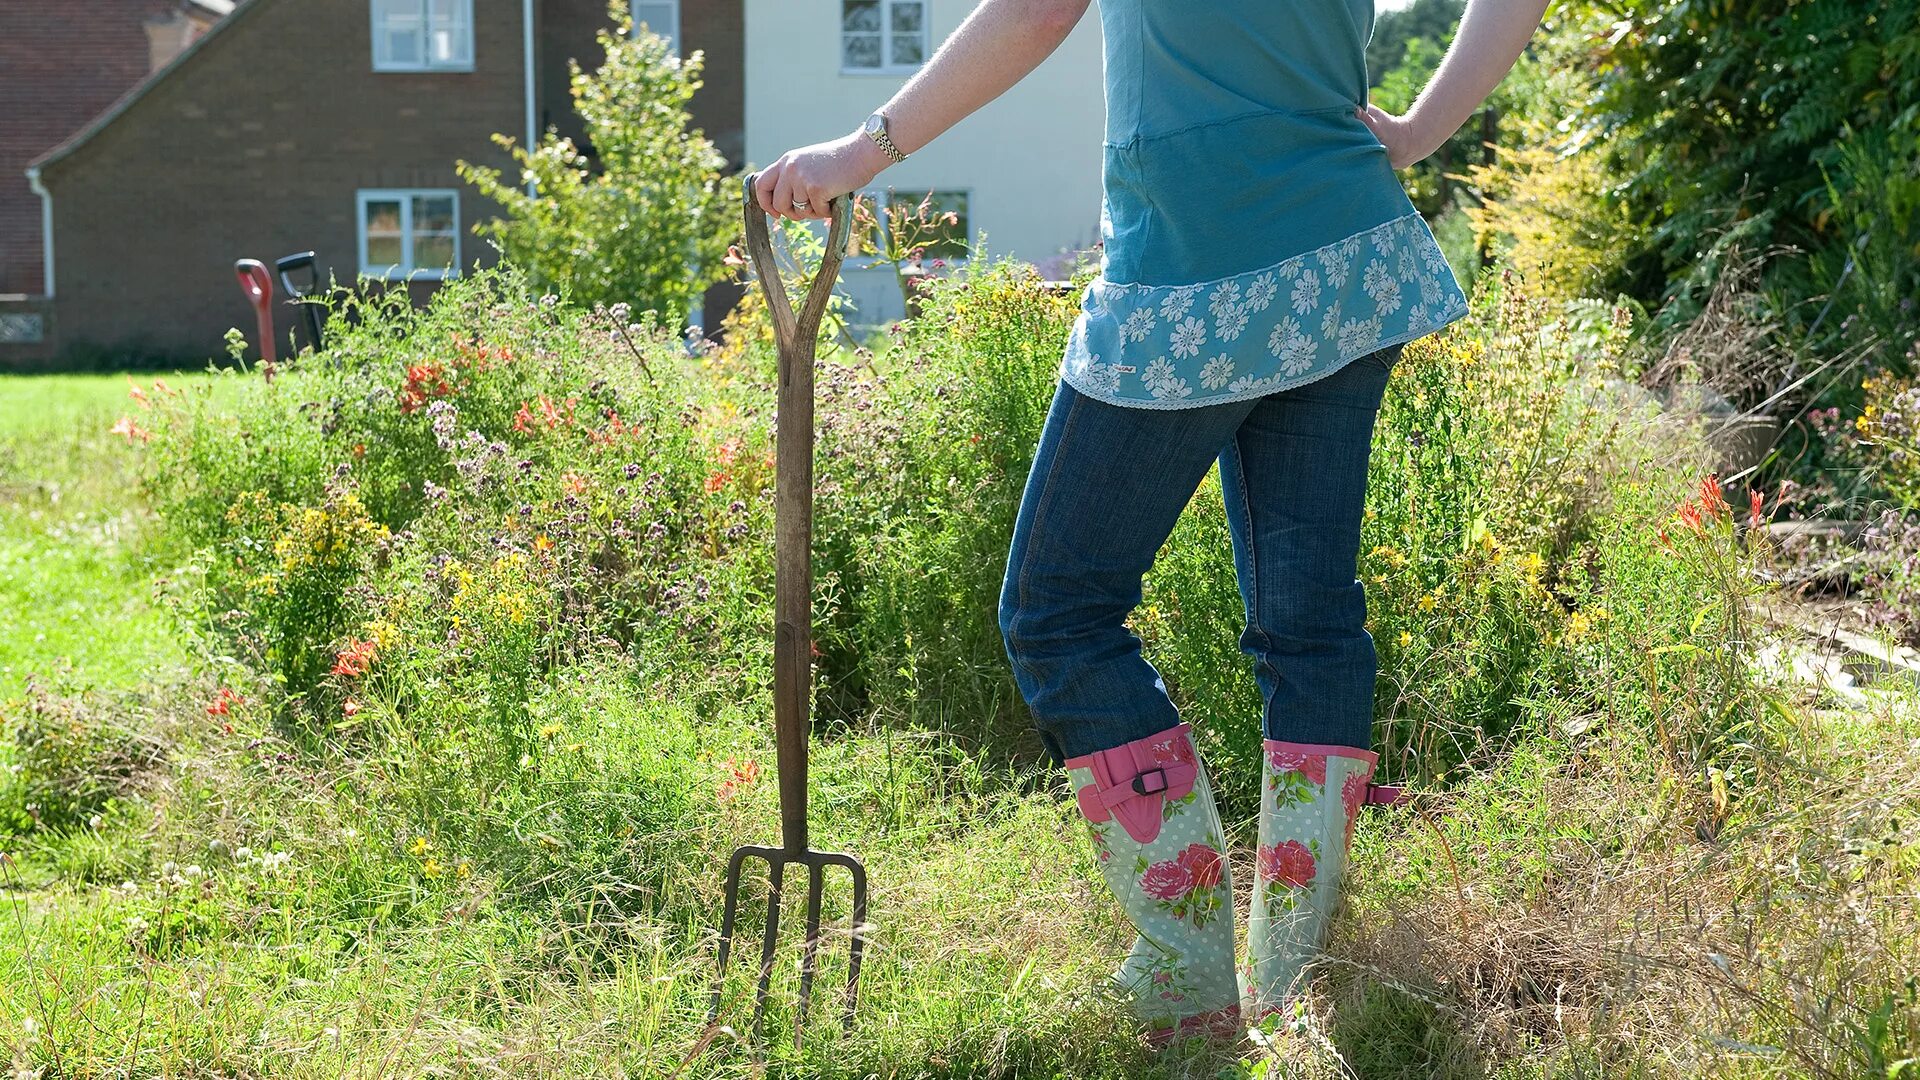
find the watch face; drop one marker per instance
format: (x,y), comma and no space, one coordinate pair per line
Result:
(873,124)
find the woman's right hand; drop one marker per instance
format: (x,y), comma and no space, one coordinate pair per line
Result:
(816,174)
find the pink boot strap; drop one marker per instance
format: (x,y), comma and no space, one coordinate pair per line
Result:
(1132,782)
(1384,795)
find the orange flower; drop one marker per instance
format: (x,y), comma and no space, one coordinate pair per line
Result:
(740,774)
(221,702)
(351,708)
(355,659)
(1711,501)
(717,481)
(1756,506)
(726,452)
(137,394)
(542,544)
(126,426)
(574,483)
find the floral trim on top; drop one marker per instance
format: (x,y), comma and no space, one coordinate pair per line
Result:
(1178,346)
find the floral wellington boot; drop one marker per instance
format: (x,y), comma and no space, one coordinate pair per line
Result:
(1162,851)
(1310,797)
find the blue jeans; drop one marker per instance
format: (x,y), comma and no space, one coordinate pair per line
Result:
(1107,485)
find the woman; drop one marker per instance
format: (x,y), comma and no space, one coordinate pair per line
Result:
(1262,270)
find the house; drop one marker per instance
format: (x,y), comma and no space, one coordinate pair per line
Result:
(1025,169)
(330,125)
(60,65)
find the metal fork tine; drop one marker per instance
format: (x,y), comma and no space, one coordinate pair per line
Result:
(855,947)
(768,940)
(726,929)
(816,885)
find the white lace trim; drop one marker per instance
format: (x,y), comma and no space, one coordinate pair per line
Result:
(1271,328)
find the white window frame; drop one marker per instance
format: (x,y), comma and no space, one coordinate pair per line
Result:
(887,66)
(672,34)
(463,14)
(406,269)
(878,195)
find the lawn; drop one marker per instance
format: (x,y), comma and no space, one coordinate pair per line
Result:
(396,718)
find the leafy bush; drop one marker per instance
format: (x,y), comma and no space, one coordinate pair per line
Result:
(1734,132)
(638,217)
(70,761)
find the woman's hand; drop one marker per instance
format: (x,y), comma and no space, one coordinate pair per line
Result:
(812,175)
(1404,139)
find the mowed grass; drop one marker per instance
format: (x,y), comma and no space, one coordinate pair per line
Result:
(75,580)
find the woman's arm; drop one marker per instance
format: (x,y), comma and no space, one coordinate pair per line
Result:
(1492,34)
(998,44)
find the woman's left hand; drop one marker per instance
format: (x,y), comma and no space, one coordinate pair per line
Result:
(1405,138)
(812,175)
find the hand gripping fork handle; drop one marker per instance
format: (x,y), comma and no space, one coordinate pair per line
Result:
(793,627)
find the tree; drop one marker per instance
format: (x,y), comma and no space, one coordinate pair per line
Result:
(645,220)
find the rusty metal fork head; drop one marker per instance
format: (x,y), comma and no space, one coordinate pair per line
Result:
(816,864)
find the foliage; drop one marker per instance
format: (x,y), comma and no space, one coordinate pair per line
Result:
(72,758)
(1730,127)
(1550,216)
(640,216)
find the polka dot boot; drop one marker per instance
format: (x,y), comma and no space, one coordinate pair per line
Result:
(1162,851)
(1310,797)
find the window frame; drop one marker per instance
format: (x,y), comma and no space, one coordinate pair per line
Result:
(407,269)
(887,67)
(679,49)
(464,12)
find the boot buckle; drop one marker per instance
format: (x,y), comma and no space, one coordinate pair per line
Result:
(1141,785)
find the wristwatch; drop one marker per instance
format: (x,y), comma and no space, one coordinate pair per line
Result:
(876,129)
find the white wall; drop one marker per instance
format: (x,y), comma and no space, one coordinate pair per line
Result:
(1030,159)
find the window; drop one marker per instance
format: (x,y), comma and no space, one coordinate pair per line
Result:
(883,36)
(422,35)
(407,233)
(660,16)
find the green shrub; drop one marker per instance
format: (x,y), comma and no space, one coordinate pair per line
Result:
(644,220)
(69,761)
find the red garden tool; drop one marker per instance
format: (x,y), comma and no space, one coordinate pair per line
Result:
(258,288)
(796,337)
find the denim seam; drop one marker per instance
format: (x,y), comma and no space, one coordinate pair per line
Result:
(1039,514)
(1253,577)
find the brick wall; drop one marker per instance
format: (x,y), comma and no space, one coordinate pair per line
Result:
(61,64)
(256,147)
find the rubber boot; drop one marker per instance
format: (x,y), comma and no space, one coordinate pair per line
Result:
(1310,797)
(1162,851)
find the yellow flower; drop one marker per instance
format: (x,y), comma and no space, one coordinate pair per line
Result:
(1577,625)
(548,731)
(418,847)
(1428,603)
(432,868)
(1406,639)
(463,871)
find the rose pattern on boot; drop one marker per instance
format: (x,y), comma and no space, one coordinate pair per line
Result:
(1177,892)
(1310,798)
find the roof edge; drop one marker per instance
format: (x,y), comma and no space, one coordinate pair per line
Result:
(240,10)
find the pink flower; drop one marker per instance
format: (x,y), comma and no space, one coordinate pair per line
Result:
(1166,881)
(1353,790)
(1172,750)
(1163,976)
(1202,863)
(1289,863)
(1287,759)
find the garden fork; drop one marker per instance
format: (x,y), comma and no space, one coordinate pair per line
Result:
(793,626)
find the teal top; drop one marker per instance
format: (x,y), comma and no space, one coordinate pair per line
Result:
(1255,235)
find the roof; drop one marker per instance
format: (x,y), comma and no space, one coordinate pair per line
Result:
(229,12)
